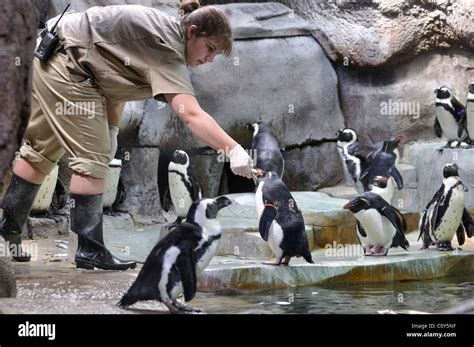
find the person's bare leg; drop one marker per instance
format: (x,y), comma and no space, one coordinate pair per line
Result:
(86,185)
(28,171)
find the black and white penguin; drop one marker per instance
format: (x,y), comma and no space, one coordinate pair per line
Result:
(281,222)
(172,266)
(450,121)
(265,146)
(380,226)
(470,112)
(383,163)
(184,189)
(353,162)
(445,215)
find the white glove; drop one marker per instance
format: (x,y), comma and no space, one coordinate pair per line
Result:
(113,132)
(240,162)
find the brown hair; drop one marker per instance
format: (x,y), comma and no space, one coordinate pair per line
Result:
(211,22)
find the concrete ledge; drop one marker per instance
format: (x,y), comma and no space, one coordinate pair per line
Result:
(234,275)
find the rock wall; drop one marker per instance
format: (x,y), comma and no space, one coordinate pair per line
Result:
(18,23)
(391,54)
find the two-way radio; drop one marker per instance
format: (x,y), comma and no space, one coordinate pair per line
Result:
(49,41)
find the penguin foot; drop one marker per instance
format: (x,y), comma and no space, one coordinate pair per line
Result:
(186,308)
(274,263)
(444,246)
(286,262)
(380,252)
(368,251)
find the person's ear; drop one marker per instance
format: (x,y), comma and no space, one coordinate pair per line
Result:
(191,30)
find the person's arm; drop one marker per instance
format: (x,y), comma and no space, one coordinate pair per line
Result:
(114,113)
(207,130)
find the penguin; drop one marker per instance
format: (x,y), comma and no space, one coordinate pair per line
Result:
(383,186)
(265,146)
(445,215)
(184,189)
(172,267)
(354,163)
(281,223)
(450,120)
(470,113)
(383,163)
(380,226)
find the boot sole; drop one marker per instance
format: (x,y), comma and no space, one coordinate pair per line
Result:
(90,265)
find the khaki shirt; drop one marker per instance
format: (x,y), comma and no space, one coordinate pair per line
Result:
(132,52)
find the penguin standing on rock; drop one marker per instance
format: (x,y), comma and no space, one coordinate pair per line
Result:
(269,157)
(281,222)
(445,215)
(353,162)
(450,121)
(184,189)
(380,226)
(470,112)
(172,266)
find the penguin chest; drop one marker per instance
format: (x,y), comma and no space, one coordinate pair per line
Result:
(180,195)
(169,280)
(448,124)
(259,200)
(207,256)
(451,219)
(275,239)
(351,165)
(379,230)
(470,115)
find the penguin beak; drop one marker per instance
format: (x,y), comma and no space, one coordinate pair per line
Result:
(347,206)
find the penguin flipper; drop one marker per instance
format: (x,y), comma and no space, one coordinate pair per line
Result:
(393,171)
(266,219)
(187,268)
(361,229)
(196,188)
(460,234)
(166,203)
(462,127)
(468,223)
(437,128)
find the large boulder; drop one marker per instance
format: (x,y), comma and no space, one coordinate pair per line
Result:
(7,279)
(384,32)
(379,103)
(18,23)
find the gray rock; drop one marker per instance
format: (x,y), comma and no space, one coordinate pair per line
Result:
(18,23)
(42,228)
(7,279)
(311,168)
(380,103)
(385,32)
(140,179)
(429,162)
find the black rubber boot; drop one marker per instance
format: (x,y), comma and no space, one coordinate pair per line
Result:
(86,222)
(16,206)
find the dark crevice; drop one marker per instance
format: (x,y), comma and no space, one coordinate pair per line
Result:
(310,143)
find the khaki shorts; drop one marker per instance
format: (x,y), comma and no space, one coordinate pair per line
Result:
(67,117)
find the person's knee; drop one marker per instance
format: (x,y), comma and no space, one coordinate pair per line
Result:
(28,171)
(86,184)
